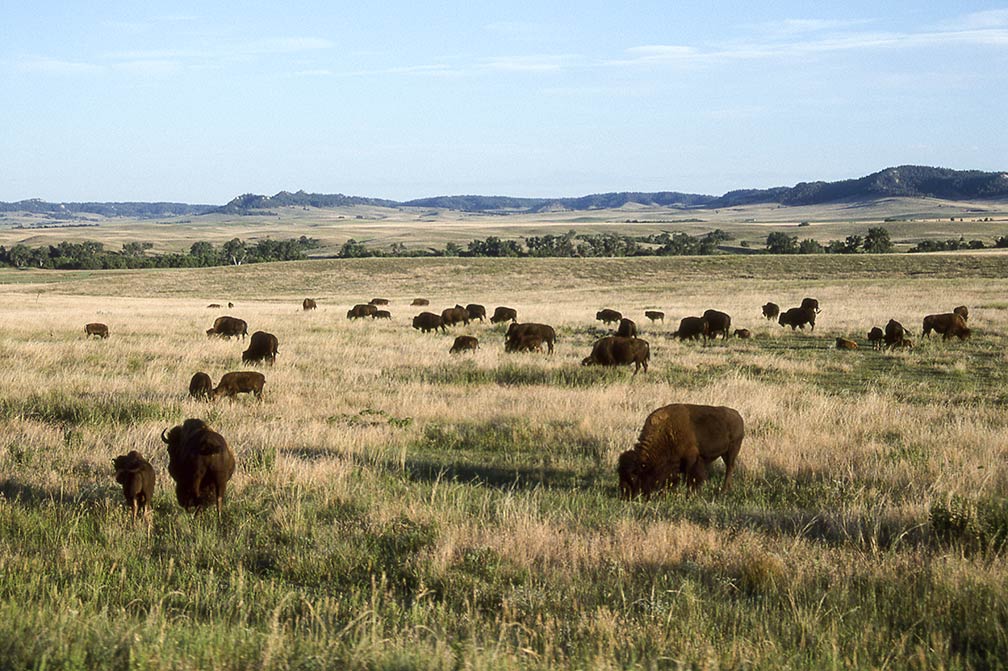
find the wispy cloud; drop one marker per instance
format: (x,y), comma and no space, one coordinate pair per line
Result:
(56,66)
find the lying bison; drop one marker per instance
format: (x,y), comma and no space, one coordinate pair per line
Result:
(308,304)
(680,439)
(771,310)
(797,318)
(691,328)
(428,321)
(619,351)
(949,325)
(503,314)
(608,316)
(240,382)
(200,386)
(717,323)
(846,343)
(876,337)
(420,301)
(200,462)
(517,332)
(96,329)
(137,478)
(464,344)
(476,311)
(452,316)
(655,315)
(361,310)
(627,328)
(225,327)
(262,347)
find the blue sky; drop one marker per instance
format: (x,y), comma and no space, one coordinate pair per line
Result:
(188,102)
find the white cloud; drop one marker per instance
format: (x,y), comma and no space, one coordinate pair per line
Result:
(56,66)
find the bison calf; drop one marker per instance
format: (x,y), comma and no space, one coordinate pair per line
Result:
(744,334)
(655,315)
(464,344)
(876,337)
(240,382)
(308,304)
(420,301)
(381,314)
(200,386)
(200,462)
(96,329)
(262,347)
(845,343)
(137,478)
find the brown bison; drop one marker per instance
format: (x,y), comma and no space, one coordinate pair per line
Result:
(691,328)
(225,327)
(476,311)
(381,314)
(655,315)
(137,478)
(771,310)
(526,342)
(517,332)
(797,318)
(627,328)
(717,323)
(200,386)
(810,304)
(214,305)
(744,334)
(361,310)
(378,301)
(464,344)
(96,329)
(962,311)
(876,337)
(608,316)
(681,439)
(845,343)
(240,382)
(420,301)
(452,316)
(428,321)
(619,351)
(262,347)
(200,462)
(894,333)
(949,324)
(308,304)
(503,314)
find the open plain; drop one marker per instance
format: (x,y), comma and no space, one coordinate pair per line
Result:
(395,506)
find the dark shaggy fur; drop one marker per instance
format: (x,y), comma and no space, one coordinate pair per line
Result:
(240,382)
(200,462)
(619,351)
(137,478)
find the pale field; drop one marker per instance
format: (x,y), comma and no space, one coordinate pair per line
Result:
(528,558)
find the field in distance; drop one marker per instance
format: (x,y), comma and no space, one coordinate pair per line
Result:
(396,506)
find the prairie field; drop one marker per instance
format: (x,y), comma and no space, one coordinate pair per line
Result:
(395,506)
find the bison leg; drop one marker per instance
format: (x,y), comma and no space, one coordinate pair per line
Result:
(729,462)
(696,475)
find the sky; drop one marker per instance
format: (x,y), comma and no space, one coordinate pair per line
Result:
(199,102)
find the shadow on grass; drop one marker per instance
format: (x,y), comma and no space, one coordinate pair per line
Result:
(510,478)
(32,495)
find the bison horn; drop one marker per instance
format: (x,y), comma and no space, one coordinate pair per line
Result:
(163,436)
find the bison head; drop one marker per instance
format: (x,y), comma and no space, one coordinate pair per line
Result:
(633,475)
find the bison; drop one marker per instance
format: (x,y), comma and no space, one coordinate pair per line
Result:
(381,314)
(262,347)
(428,321)
(876,337)
(949,324)
(797,318)
(845,343)
(503,314)
(517,332)
(225,327)
(743,334)
(200,386)
(214,305)
(378,301)
(240,382)
(626,328)
(200,462)
(681,439)
(452,316)
(894,333)
(717,322)
(361,310)
(420,301)
(464,344)
(308,304)
(655,315)
(96,329)
(619,351)
(810,304)
(137,478)
(476,311)
(608,316)
(691,328)
(962,311)
(771,310)
(526,342)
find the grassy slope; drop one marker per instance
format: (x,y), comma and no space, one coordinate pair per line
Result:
(395,506)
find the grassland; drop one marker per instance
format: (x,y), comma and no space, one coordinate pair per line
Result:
(397,507)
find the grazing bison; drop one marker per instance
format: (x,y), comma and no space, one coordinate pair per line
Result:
(876,337)
(214,305)
(655,315)
(619,351)
(464,344)
(476,311)
(962,311)
(378,301)
(516,333)
(240,382)
(308,304)
(200,462)
(361,310)
(744,334)
(137,478)
(845,343)
(503,314)
(452,316)
(949,324)
(381,314)
(771,310)
(428,321)
(691,328)
(96,329)
(717,322)
(200,386)
(626,328)
(810,304)
(681,439)
(262,347)
(420,301)
(797,318)
(225,327)
(608,316)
